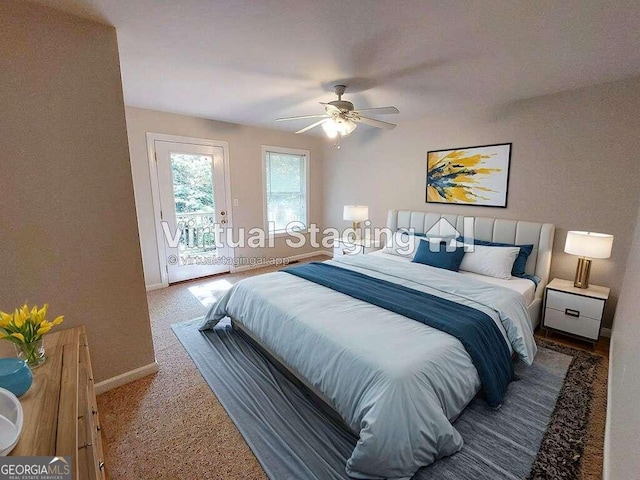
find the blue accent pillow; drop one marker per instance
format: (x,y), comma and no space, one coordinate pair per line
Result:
(439,259)
(521,260)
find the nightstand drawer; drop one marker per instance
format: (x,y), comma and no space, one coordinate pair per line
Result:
(583,326)
(582,306)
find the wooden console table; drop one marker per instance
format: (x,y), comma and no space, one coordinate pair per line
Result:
(60,409)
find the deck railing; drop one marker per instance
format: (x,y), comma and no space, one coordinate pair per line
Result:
(197,231)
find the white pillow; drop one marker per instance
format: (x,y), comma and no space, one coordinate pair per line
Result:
(490,261)
(403,244)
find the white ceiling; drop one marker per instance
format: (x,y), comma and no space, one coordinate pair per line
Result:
(250,61)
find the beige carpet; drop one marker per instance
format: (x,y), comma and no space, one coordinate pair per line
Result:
(170,425)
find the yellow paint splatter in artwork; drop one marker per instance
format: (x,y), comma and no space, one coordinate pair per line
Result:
(454,176)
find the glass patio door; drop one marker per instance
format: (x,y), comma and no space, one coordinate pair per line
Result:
(191,181)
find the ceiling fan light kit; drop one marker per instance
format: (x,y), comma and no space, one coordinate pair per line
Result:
(339,126)
(341,118)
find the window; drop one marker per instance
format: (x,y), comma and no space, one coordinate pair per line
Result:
(286,179)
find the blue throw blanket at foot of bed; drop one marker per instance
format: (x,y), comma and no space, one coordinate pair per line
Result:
(476,331)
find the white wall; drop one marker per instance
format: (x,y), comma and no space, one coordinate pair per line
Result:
(574,163)
(622,443)
(245,158)
(68,230)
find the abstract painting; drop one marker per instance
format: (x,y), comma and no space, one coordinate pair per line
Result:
(469,176)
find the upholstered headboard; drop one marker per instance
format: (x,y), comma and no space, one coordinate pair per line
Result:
(492,230)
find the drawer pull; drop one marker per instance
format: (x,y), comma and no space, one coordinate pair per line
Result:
(572,313)
(98,428)
(101,465)
(86,445)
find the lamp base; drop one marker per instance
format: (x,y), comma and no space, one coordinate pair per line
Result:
(356,229)
(582,273)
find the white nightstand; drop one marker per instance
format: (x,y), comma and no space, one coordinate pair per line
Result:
(574,311)
(358,247)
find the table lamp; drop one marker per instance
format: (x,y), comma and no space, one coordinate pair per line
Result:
(356,214)
(587,245)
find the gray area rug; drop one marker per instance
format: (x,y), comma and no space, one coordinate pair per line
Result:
(292,438)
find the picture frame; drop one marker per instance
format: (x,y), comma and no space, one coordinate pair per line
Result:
(477,176)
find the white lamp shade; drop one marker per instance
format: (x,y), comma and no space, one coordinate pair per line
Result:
(330,128)
(589,244)
(345,127)
(355,213)
(339,126)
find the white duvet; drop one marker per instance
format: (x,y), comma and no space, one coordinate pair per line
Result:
(395,381)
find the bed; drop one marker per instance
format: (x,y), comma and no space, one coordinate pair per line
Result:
(397,383)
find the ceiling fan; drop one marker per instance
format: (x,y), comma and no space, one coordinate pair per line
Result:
(341,118)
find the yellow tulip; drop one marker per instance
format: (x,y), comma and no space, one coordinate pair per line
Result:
(29,323)
(43,330)
(19,336)
(18,320)
(5,319)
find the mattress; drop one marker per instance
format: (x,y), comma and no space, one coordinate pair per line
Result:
(524,287)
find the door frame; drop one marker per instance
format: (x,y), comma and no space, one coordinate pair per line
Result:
(155,190)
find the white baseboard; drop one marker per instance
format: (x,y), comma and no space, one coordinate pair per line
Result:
(156,286)
(126,377)
(605,332)
(606,466)
(293,258)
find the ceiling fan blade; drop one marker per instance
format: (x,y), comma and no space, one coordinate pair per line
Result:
(320,115)
(374,123)
(379,110)
(313,125)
